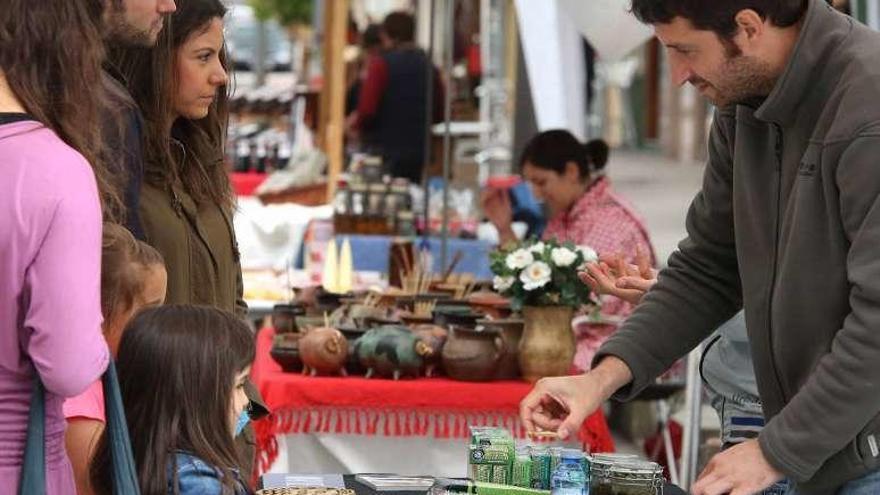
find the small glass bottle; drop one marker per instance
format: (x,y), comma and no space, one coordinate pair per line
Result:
(569,477)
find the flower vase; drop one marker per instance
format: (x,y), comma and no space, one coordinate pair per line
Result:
(547,347)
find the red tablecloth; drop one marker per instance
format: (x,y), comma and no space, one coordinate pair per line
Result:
(436,407)
(244,183)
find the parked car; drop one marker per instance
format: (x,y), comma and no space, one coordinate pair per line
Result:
(242,29)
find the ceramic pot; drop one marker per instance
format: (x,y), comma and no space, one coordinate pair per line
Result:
(446,316)
(512,329)
(284,317)
(392,351)
(472,354)
(285,352)
(491,304)
(352,363)
(324,351)
(547,347)
(435,336)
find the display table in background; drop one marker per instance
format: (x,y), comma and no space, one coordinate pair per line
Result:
(245,183)
(352,424)
(370,253)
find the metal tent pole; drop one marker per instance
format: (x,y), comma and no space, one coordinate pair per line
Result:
(447,139)
(693,400)
(429,121)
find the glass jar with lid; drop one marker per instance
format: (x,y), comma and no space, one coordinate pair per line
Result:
(609,476)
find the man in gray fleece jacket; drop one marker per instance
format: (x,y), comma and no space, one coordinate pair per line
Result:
(786,226)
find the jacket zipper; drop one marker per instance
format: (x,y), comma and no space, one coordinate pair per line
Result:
(779,145)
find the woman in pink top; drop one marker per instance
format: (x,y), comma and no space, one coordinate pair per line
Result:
(50,226)
(132,278)
(567,176)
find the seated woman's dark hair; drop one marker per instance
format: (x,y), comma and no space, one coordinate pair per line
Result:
(552,150)
(177,368)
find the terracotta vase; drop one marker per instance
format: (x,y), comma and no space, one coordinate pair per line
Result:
(547,347)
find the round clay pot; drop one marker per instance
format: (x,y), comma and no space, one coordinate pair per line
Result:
(446,316)
(324,352)
(472,354)
(285,352)
(284,317)
(352,363)
(435,337)
(547,347)
(512,329)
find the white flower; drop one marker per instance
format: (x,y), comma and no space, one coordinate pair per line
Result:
(501,284)
(589,254)
(519,259)
(563,256)
(538,248)
(535,276)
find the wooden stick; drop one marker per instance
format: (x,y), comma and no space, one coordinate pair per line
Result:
(326,320)
(543,434)
(455,260)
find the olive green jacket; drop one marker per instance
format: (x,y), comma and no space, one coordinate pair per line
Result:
(203,264)
(199,246)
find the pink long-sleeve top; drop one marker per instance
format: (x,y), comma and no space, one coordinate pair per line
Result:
(605,222)
(50,270)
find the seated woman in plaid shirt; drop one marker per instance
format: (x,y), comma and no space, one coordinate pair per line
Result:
(567,176)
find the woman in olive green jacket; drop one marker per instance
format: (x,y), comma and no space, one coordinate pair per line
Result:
(186,202)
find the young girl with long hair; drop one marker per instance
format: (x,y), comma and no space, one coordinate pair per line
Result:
(181,372)
(132,278)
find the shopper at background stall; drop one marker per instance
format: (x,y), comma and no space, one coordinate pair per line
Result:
(370,46)
(182,371)
(132,278)
(129,23)
(568,177)
(186,202)
(393,102)
(785,227)
(50,226)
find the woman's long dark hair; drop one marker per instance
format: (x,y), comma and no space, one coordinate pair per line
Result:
(50,54)
(179,150)
(177,367)
(552,150)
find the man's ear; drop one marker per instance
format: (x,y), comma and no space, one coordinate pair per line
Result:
(750,26)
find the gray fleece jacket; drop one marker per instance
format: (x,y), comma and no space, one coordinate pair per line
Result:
(787,225)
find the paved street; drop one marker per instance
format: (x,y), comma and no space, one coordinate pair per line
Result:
(660,189)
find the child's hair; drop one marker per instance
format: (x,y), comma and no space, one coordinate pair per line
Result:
(123,260)
(177,367)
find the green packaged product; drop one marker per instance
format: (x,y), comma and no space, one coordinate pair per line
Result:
(522,469)
(491,455)
(540,468)
(468,487)
(555,453)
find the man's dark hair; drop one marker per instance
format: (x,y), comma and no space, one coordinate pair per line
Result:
(400,27)
(718,15)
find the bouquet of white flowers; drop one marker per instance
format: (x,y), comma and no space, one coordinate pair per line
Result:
(542,273)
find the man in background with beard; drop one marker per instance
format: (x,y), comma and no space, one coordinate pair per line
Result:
(786,226)
(127,23)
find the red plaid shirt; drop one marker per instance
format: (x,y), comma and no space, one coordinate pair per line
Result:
(605,222)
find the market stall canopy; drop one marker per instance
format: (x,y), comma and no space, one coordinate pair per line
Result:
(551,33)
(608,25)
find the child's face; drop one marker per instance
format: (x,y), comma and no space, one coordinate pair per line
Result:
(239,398)
(155,285)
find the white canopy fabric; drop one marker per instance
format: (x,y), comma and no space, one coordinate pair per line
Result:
(607,25)
(551,32)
